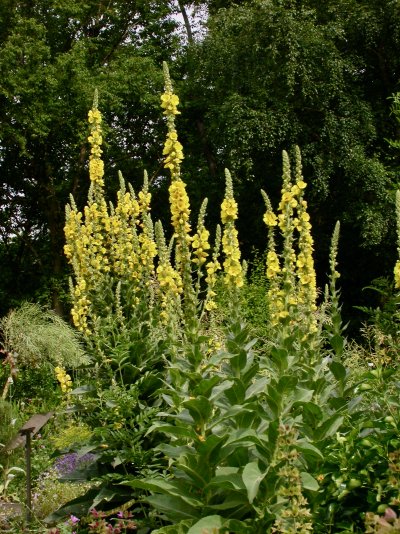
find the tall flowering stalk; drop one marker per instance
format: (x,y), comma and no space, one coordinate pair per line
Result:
(232,268)
(397,266)
(273,269)
(292,293)
(169,280)
(87,237)
(107,246)
(212,268)
(178,197)
(307,292)
(294,515)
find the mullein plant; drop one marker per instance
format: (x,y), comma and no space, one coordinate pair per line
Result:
(333,326)
(119,256)
(111,250)
(397,266)
(292,291)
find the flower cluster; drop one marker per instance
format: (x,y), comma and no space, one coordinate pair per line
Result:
(229,210)
(64,379)
(273,267)
(67,463)
(96,165)
(200,246)
(169,279)
(169,102)
(230,243)
(180,208)
(295,516)
(293,280)
(270,218)
(173,152)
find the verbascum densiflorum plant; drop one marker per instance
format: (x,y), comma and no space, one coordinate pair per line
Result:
(232,267)
(294,516)
(178,197)
(397,266)
(123,235)
(107,245)
(212,268)
(292,292)
(307,293)
(169,280)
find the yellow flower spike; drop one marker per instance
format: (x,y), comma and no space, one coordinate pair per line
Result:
(96,165)
(200,244)
(230,244)
(169,102)
(229,210)
(397,266)
(180,210)
(270,218)
(64,379)
(397,274)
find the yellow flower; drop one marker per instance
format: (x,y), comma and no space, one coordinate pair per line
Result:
(270,218)
(180,211)
(273,266)
(173,150)
(64,379)
(229,210)
(200,245)
(397,274)
(170,102)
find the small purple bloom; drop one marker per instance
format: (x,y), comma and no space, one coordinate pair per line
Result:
(74,520)
(120,514)
(67,463)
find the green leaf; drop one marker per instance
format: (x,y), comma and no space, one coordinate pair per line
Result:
(337,343)
(286,383)
(243,436)
(175,508)
(180,528)
(218,390)
(309,450)
(205,386)
(205,524)
(338,370)
(329,427)
(199,408)
(252,478)
(159,485)
(308,482)
(176,431)
(302,395)
(259,386)
(87,448)
(232,481)
(82,390)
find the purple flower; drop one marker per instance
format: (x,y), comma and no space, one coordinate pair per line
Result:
(120,514)
(74,520)
(67,463)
